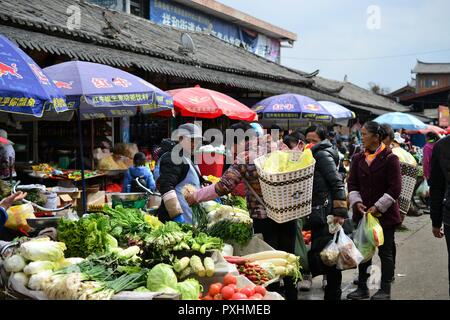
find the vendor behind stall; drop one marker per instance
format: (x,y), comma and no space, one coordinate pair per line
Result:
(117,160)
(176,170)
(141,171)
(7,156)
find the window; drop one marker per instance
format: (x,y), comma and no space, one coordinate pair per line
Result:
(430,83)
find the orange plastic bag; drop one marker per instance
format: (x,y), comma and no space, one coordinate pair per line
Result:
(17,217)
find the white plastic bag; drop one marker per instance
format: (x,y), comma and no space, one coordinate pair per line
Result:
(330,253)
(423,190)
(349,256)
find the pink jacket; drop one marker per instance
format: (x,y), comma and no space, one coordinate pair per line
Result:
(427,152)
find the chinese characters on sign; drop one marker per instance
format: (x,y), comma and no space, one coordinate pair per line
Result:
(18,102)
(175,15)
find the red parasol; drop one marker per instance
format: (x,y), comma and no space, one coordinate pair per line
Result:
(3,141)
(430,128)
(204,103)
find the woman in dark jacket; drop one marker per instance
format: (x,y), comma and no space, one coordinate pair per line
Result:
(328,199)
(374,186)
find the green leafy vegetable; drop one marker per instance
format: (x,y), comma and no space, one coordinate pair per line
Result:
(242,233)
(189,289)
(162,278)
(86,236)
(42,249)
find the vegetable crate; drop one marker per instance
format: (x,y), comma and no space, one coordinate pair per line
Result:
(287,196)
(409,179)
(129,200)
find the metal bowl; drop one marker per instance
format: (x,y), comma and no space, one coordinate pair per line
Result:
(42,223)
(128,196)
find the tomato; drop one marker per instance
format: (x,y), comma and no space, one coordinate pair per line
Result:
(218,297)
(235,288)
(214,289)
(229,279)
(227,292)
(207,298)
(239,296)
(257,296)
(200,296)
(254,298)
(219,284)
(261,290)
(246,291)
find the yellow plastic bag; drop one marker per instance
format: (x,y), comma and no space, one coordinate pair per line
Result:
(17,217)
(404,156)
(368,236)
(374,230)
(283,161)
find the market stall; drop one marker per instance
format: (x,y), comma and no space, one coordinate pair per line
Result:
(100,91)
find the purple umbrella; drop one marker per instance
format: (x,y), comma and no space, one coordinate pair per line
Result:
(291,106)
(102,91)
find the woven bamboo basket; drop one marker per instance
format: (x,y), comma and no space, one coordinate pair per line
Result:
(286,196)
(409,179)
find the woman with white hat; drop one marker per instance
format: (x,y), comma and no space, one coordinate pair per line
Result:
(176,169)
(7,156)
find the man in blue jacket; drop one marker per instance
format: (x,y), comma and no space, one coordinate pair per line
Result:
(141,171)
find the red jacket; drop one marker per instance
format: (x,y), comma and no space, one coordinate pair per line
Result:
(372,183)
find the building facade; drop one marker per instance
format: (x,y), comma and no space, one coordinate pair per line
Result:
(209,16)
(431,76)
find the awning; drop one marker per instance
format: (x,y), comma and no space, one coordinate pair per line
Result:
(372,110)
(121,58)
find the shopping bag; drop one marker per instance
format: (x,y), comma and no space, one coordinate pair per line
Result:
(17,218)
(368,236)
(423,190)
(330,253)
(300,247)
(349,255)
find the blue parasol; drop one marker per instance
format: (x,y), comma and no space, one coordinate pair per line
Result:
(101,91)
(24,87)
(399,120)
(337,111)
(291,106)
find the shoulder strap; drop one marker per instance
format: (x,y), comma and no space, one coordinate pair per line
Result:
(258,198)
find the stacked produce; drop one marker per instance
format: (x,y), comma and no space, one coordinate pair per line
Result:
(162,278)
(129,226)
(252,271)
(280,263)
(228,290)
(35,260)
(186,266)
(86,236)
(217,220)
(235,202)
(171,237)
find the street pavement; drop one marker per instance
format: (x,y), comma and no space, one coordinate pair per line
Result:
(421,268)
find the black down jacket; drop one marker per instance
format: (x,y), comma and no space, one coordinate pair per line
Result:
(328,183)
(440,183)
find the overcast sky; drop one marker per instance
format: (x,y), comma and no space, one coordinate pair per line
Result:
(338,29)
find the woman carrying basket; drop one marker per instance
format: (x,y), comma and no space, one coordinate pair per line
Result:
(279,236)
(374,185)
(328,199)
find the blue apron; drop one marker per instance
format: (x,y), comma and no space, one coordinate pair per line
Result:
(192,177)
